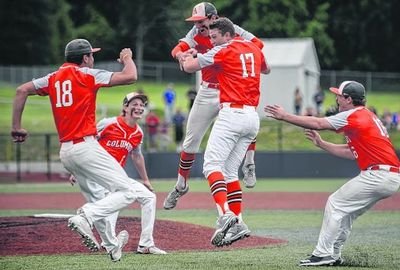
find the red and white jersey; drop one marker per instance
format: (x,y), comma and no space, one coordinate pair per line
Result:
(239,63)
(366,136)
(118,138)
(72,91)
(203,44)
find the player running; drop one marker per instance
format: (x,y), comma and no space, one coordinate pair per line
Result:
(239,63)
(72,90)
(122,137)
(206,105)
(368,143)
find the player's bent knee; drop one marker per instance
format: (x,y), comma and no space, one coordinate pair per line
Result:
(130,194)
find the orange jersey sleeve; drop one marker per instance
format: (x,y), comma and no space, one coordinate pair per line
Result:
(181,47)
(258,42)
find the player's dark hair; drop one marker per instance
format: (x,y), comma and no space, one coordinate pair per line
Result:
(359,102)
(224,25)
(75,59)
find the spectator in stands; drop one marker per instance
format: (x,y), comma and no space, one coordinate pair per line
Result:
(152,123)
(319,98)
(164,138)
(395,121)
(298,101)
(191,95)
(169,102)
(387,118)
(178,121)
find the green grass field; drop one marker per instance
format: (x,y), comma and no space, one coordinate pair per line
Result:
(374,243)
(37,116)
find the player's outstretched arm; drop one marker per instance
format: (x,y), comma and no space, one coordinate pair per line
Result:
(339,150)
(277,112)
(128,75)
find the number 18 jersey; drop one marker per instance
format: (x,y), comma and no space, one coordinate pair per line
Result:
(72,91)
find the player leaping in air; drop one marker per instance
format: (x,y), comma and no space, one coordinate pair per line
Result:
(240,64)
(206,105)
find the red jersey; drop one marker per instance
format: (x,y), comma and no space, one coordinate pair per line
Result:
(203,44)
(118,138)
(72,91)
(152,123)
(240,63)
(366,136)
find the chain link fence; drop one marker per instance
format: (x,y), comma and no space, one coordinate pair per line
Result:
(163,72)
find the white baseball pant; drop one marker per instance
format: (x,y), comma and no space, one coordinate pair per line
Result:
(230,137)
(205,109)
(106,226)
(89,160)
(349,202)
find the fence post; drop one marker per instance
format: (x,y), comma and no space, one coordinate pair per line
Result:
(47,147)
(159,71)
(369,81)
(280,136)
(18,161)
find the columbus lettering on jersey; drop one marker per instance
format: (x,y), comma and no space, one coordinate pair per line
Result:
(120,144)
(118,138)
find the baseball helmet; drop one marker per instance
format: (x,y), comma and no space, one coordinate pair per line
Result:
(129,97)
(350,88)
(78,47)
(202,11)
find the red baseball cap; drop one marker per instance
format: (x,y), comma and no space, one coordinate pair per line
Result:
(202,11)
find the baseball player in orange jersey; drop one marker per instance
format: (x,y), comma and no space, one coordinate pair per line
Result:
(72,91)
(239,63)
(206,105)
(368,143)
(121,136)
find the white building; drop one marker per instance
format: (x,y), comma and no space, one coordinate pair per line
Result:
(294,63)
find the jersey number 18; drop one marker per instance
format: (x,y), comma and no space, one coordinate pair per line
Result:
(64,93)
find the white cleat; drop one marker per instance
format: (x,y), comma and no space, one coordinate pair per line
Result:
(80,224)
(116,253)
(249,178)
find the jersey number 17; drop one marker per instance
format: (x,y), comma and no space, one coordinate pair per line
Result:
(243,58)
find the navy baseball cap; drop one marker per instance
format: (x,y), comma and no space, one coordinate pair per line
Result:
(78,47)
(350,88)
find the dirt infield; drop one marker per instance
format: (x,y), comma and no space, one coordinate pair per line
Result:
(29,235)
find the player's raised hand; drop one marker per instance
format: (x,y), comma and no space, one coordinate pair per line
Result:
(125,54)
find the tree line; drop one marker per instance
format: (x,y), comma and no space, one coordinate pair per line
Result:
(353,35)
